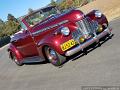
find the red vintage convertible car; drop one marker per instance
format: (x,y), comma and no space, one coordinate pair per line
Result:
(48,34)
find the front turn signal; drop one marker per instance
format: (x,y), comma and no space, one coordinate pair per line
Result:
(100,28)
(82,39)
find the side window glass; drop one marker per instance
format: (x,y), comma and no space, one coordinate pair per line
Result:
(23,26)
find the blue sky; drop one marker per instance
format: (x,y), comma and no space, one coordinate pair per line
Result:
(19,7)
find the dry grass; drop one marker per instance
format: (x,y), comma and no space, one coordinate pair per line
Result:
(111,8)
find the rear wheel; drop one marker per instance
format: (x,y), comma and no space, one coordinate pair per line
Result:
(55,58)
(19,63)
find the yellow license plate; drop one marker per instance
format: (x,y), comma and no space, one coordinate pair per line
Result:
(67,45)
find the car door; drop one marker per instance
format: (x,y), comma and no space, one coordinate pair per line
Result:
(26,43)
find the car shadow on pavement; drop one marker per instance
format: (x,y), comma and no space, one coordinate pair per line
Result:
(89,49)
(37,63)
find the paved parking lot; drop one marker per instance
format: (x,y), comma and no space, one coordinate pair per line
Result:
(100,67)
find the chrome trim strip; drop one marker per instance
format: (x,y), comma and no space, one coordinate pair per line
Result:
(85,27)
(87,43)
(49,27)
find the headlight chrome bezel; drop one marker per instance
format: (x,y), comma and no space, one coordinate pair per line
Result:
(98,14)
(65,31)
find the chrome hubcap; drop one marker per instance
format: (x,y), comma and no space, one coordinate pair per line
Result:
(52,55)
(52,52)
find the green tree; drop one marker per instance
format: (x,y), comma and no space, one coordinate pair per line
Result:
(2,27)
(53,3)
(10,27)
(1,21)
(11,17)
(63,5)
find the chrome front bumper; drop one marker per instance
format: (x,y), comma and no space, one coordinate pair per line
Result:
(87,43)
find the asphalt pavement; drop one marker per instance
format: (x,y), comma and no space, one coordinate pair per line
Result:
(100,67)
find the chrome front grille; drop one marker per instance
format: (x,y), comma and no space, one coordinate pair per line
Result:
(76,35)
(86,27)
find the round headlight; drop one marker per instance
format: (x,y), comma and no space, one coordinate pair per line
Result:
(98,14)
(65,31)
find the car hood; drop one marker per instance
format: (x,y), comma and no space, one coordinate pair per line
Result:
(71,16)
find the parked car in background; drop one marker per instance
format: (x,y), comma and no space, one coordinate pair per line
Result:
(48,34)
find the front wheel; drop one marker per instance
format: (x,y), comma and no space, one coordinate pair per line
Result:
(55,58)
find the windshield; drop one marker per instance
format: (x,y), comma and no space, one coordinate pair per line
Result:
(41,15)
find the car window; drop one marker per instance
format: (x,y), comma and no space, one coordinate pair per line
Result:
(23,26)
(41,15)
(34,19)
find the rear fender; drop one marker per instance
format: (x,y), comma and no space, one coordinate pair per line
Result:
(13,49)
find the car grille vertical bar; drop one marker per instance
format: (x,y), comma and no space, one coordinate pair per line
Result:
(85,27)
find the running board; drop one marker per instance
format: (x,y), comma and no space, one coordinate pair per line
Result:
(34,59)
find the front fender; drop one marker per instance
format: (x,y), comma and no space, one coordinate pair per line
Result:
(53,41)
(100,20)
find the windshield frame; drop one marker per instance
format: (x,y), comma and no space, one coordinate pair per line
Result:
(41,11)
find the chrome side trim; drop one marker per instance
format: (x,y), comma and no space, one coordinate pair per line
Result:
(49,27)
(87,43)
